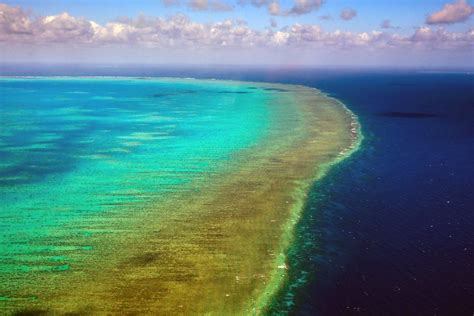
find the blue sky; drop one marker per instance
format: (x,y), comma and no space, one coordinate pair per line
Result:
(436,41)
(406,14)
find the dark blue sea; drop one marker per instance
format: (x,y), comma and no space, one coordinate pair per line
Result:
(390,231)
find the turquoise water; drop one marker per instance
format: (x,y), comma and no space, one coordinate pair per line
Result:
(73,150)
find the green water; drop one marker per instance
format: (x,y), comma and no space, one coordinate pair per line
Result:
(75,150)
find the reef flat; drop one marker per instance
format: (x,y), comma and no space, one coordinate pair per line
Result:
(202,228)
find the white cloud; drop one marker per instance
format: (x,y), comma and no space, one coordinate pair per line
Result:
(280,38)
(433,39)
(298,7)
(14,22)
(348,14)
(212,5)
(201,5)
(304,7)
(64,27)
(180,32)
(274,8)
(458,11)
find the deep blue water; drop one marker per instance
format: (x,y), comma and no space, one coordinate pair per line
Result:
(390,231)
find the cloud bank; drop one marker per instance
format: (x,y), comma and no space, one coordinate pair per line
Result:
(458,11)
(180,33)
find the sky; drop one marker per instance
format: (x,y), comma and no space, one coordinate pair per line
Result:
(250,32)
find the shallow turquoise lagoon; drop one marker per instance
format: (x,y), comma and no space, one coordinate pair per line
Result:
(72,149)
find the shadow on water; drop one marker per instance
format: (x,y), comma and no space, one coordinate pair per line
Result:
(415,115)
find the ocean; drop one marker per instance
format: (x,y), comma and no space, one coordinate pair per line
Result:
(389,231)
(82,146)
